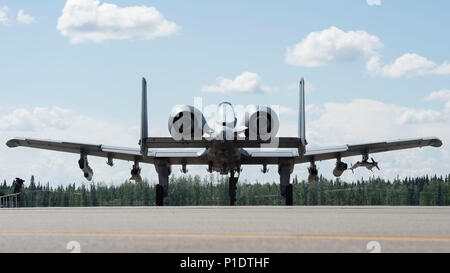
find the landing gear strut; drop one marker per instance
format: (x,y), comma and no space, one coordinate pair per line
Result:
(232,185)
(162,189)
(159,195)
(285,169)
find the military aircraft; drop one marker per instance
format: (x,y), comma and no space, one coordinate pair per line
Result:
(224,147)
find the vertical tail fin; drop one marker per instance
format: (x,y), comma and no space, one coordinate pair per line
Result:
(144,119)
(301,114)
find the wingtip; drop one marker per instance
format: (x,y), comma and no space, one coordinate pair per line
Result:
(436,142)
(12,143)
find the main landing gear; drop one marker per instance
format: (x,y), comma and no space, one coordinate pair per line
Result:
(285,169)
(162,189)
(232,185)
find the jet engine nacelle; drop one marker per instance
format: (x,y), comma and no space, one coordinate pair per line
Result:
(186,122)
(339,169)
(261,122)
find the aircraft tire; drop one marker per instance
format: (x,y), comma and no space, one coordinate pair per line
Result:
(289,195)
(159,195)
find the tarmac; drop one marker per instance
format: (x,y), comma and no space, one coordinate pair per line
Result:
(226,229)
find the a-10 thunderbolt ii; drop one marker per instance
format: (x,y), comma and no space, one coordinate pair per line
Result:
(224,147)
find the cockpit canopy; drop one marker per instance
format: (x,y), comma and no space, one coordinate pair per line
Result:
(225,115)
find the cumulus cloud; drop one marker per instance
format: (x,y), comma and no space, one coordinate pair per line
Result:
(310,109)
(285,110)
(441,95)
(23,18)
(376,119)
(373,2)
(88,20)
(443,69)
(39,118)
(313,109)
(419,116)
(331,46)
(407,65)
(4,15)
(247,82)
(447,107)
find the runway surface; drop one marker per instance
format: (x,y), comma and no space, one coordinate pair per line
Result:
(226,229)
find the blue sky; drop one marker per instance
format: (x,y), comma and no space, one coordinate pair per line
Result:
(97,81)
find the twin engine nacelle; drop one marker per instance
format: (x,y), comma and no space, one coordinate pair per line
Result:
(259,122)
(262,123)
(186,122)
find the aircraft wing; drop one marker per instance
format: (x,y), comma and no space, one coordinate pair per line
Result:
(370,148)
(272,156)
(175,156)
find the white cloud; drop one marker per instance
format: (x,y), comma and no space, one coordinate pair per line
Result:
(88,20)
(373,2)
(23,18)
(331,46)
(247,82)
(40,118)
(310,109)
(447,107)
(4,15)
(313,109)
(407,65)
(373,118)
(419,116)
(443,69)
(285,110)
(442,95)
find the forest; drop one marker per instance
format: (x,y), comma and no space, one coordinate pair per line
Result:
(213,190)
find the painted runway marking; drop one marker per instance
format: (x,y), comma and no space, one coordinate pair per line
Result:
(235,236)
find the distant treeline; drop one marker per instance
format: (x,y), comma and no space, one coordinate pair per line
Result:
(213,190)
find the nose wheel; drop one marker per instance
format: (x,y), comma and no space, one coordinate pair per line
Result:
(232,184)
